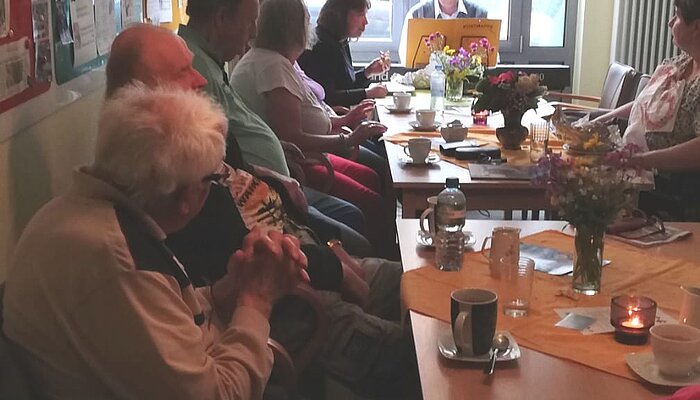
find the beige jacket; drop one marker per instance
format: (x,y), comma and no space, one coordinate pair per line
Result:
(100,309)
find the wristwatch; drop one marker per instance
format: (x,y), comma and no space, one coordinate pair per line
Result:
(334,242)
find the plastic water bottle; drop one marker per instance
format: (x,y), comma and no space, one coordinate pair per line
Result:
(450,213)
(437,89)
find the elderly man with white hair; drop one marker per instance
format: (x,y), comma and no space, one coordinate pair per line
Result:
(97,306)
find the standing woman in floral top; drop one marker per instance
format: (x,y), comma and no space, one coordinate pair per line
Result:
(329,61)
(665,123)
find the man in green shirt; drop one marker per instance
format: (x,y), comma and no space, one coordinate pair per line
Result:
(257,141)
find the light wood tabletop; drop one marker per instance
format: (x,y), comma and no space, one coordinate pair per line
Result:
(416,183)
(535,375)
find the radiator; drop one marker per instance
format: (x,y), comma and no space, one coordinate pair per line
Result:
(643,38)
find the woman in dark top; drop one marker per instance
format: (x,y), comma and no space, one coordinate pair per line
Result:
(329,62)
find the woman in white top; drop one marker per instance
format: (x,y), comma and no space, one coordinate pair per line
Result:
(266,80)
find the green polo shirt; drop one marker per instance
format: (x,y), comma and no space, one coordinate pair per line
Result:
(257,141)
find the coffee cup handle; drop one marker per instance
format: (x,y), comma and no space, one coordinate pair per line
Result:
(405,151)
(463,330)
(483,247)
(423,218)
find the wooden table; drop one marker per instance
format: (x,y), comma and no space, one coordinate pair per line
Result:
(535,376)
(416,183)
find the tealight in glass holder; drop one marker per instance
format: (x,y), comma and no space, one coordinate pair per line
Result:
(632,318)
(480,118)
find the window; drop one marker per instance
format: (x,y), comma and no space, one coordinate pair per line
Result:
(532,31)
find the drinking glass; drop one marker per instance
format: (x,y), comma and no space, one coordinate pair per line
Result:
(539,138)
(515,289)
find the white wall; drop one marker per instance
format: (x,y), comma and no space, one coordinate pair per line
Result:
(36,164)
(593,41)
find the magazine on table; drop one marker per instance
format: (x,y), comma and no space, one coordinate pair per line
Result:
(549,260)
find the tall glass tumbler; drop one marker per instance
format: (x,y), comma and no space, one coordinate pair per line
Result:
(515,287)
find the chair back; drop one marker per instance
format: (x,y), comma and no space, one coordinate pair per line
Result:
(620,86)
(643,81)
(13,382)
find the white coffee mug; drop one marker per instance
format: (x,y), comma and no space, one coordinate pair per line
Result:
(418,149)
(690,307)
(402,101)
(429,216)
(425,118)
(676,348)
(505,242)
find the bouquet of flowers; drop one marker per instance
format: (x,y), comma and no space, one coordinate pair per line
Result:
(590,193)
(460,64)
(511,93)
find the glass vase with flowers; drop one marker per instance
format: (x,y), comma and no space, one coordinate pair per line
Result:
(589,193)
(461,66)
(511,93)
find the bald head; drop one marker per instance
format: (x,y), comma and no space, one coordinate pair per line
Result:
(151,55)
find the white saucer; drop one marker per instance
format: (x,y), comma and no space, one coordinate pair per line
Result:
(418,127)
(393,110)
(643,364)
(425,239)
(448,349)
(431,159)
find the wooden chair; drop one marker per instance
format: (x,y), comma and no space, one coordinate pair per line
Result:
(619,88)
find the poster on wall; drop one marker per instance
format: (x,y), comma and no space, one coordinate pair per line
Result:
(131,12)
(4,17)
(83,24)
(160,11)
(14,68)
(106,25)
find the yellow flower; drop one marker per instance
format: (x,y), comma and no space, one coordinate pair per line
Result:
(592,143)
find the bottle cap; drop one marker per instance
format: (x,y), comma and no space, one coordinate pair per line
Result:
(452,182)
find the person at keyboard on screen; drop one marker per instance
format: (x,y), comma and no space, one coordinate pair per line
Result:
(329,61)
(439,9)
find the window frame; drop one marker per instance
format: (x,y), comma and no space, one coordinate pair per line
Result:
(514,50)
(365,50)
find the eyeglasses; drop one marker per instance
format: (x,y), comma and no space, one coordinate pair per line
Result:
(220,178)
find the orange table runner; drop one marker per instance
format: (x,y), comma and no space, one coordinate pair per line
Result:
(427,291)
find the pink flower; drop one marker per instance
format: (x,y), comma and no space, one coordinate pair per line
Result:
(484,43)
(505,77)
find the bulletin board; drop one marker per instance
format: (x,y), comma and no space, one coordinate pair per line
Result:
(18,79)
(62,46)
(83,34)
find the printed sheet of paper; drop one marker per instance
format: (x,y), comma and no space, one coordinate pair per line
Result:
(83,23)
(160,11)
(42,46)
(14,68)
(602,318)
(131,12)
(4,17)
(105,24)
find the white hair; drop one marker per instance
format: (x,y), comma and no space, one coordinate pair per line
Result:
(154,141)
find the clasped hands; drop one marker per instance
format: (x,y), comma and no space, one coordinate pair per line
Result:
(268,266)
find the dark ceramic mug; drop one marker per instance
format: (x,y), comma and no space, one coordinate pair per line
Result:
(473,315)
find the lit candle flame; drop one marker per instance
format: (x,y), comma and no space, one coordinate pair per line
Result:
(633,321)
